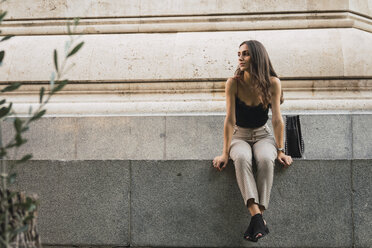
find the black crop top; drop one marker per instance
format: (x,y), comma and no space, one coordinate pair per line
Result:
(250,116)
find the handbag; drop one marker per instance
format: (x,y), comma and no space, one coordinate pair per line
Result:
(294,143)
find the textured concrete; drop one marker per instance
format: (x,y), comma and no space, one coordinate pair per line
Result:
(120,138)
(115,57)
(362,130)
(193,137)
(189,204)
(48,138)
(362,202)
(81,202)
(327,137)
(105,8)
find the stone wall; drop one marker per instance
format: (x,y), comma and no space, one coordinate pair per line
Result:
(146,57)
(123,157)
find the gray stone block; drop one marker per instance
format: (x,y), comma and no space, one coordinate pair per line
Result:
(81,202)
(362,202)
(185,203)
(362,136)
(49,138)
(189,204)
(179,137)
(327,136)
(122,137)
(194,137)
(311,204)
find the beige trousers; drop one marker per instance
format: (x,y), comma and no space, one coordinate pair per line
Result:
(261,143)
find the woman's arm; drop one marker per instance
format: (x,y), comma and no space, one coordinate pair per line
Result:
(230,115)
(229,123)
(277,120)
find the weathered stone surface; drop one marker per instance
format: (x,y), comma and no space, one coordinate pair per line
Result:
(121,137)
(194,137)
(362,136)
(118,57)
(327,136)
(185,203)
(106,8)
(362,202)
(81,202)
(311,202)
(47,139)
(189,204)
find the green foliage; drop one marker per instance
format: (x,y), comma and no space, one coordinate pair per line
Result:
(2,15)
(76,49)
(22,125)
(2,55)
(6,38)
(55,60)
(11,87)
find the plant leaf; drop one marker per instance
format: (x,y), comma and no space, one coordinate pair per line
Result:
(76,49)
(12,178)
(55,60)
(24,129)
(11,87)
(28,218)
(38,115)
(2,54)
(2,152)
(76,21)
(19,140)
(18,124)
(59,86)
(52,78)
(5,110)
(68,28)
(32,207)
(6,38)
(30,110)
(24,158)
(42,90)
(2,15)
(2,101)
(21,229)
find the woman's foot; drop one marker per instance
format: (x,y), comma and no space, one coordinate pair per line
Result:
(248,235)
(257,228)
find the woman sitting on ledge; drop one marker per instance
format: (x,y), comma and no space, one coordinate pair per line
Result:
(249,94)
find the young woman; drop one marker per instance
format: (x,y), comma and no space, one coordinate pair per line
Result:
(254,89)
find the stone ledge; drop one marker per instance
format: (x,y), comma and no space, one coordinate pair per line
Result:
(327,135)
(186,203)
(299,54)
(241,22)
(39,9)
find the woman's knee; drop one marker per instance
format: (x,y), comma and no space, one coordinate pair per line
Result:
(265,163)
(242,159)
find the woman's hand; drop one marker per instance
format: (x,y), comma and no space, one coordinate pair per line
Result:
(284,159)
(220,162)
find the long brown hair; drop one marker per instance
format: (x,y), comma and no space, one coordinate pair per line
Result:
(260,69)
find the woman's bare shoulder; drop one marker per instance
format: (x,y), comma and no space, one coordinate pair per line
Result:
(231,84)
(275,82)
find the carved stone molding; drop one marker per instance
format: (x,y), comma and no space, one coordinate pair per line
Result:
(239,22)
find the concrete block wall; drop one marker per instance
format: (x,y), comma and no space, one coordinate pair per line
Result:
(148,182)
(186,203)
(123,157)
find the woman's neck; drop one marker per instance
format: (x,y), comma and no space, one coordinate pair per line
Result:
(247,78)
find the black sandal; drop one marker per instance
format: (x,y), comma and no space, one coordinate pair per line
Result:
(256,227)
(248,235)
